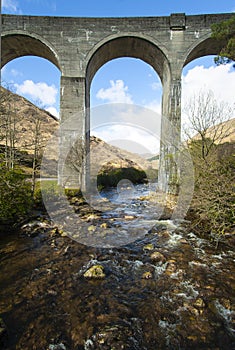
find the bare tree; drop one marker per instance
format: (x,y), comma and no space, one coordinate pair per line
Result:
(75,159)
(207,121)
(9,132)
(212,208)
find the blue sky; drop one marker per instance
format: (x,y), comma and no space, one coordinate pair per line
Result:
(103,8)
(117,81)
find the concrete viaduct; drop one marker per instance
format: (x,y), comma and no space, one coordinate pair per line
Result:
(80,46)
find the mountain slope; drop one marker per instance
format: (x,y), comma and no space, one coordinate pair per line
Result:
(27,116)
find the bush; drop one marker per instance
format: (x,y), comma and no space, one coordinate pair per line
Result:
(112,177)
(49,189)
(15,195)
(212,208)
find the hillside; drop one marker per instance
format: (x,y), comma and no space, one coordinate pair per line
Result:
(225,132)
(27,117)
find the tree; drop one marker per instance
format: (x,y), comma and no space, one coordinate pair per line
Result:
(9,132)
(75,161)
(225,31)
(207,122)
(212,207)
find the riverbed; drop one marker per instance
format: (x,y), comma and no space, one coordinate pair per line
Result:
(165,288)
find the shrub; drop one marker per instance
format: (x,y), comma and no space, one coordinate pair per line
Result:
(112,177)
(15,194)
(212,207)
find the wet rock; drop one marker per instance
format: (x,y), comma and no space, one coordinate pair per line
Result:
(194,311)
(171,267)
(92,217)
(158,228)
(59,346)
(147,275)
(33,228)
(199,303)
(96,271)
(149,246)
(226,303)
(91,228)
(158,257)
(183,241)
(129,217)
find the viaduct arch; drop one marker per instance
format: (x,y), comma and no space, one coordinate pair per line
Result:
(80,46)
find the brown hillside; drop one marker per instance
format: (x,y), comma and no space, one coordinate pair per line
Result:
(225,132)
(26,114)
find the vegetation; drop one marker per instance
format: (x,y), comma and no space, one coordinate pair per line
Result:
(15,194)
(212,207)
(225,31)
(111,177)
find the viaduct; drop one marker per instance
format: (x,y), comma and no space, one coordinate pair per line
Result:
(80,46)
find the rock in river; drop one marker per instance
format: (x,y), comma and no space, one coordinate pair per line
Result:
(95,271)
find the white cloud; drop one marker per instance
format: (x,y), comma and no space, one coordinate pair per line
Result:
(138,141)
(38,92)
(10,5)
(219,79)
(117,93)
(53,111)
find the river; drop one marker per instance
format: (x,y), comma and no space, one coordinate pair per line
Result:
(165,288)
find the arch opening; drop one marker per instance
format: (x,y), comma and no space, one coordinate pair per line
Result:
(134,87)
(30,102)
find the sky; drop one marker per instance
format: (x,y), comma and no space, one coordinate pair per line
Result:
(117,81)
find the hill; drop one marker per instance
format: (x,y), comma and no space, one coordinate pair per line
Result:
(222,133)
(29,122)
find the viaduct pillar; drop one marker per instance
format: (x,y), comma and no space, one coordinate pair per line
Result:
(169,172)
(74,132)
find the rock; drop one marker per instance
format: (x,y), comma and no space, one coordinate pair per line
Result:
(157,256)
(158,228)
(59,346)
(171,267)
(183,241)
(96,271)
(74,200)
(63,234)
(92,217)
(147,275)
(226,303)
(129,217)
(199,303)
(91,228)
(149,246)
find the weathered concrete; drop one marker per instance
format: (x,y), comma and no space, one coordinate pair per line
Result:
(80,46)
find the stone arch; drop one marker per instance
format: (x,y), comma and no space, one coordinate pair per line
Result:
(203,47)
(17,44)
(127,45)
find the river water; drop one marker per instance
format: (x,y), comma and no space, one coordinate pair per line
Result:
(164,289)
